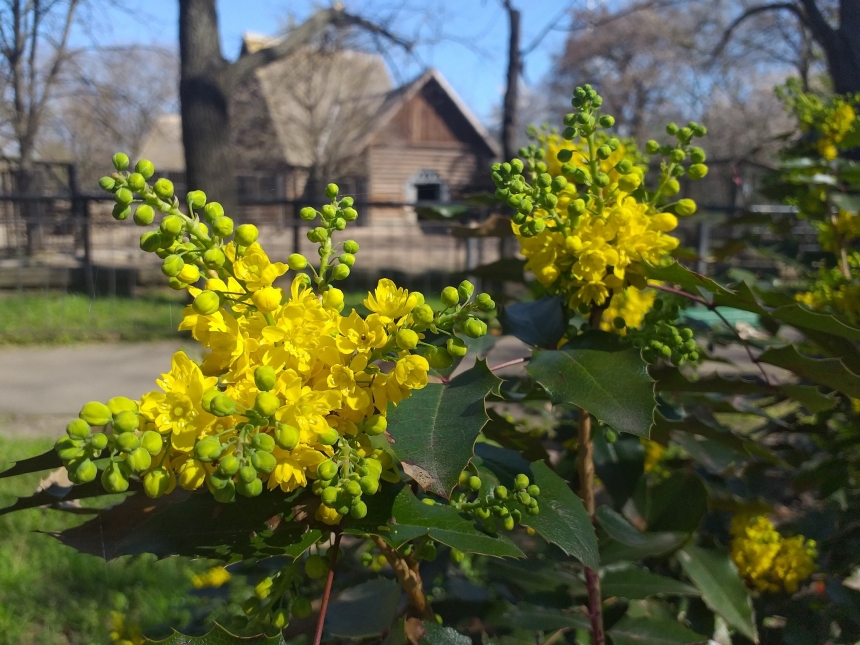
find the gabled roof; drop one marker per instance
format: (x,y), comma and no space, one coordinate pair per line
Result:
(398,97)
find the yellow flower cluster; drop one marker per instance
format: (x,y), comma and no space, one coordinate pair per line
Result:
(768,561)
(834,292)
(833,118)
(215,577)
(631,305)
(833,128)
(123,631)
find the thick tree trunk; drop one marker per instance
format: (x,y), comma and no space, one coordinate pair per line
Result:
(509,110)
(204,91)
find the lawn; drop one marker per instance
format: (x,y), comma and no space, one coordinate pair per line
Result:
(52,595)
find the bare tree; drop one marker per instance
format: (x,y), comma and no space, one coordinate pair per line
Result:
(34,37)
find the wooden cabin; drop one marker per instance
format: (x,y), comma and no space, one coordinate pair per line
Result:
(319,116)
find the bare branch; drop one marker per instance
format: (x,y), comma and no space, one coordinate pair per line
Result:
(817,23)
(752,11)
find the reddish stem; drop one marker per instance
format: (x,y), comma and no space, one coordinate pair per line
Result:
(327,593)
(515,361)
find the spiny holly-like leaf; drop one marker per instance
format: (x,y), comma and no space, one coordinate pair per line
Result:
(656,545)
(46,461)
(193,524)
(638,584)
(677,504)
(664,429)
(436,634)
(219,636)
(535,618)
(365,610)
(541,323)
(721,586)
(648,631)
(830,372)
(396,515)
(599,372)
(562,519)
(619,528)
(536,576)
(434,430)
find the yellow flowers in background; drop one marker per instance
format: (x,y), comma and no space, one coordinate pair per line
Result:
(768,561)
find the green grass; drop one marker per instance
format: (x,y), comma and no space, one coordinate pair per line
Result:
(52,595)
(67,318)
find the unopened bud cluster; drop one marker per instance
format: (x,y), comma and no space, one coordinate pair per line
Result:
(584,218)
(495,505)
(661,338)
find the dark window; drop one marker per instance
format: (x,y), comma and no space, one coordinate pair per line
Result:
(428,192)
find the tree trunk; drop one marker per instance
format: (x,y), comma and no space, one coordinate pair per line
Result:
(204,95)
(843,60)
(509,110)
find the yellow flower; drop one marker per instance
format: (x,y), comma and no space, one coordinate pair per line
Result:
(389,301)
(631,304)
(411,371)
(254,268)
(768,561)
(327,515)
(359,335)
(294,467)
(124,631)
(215,577)
(267,299)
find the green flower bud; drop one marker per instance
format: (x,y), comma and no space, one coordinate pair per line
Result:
(629,183)
(226,494)
(222,405)
(308,214)
(297,262)
(212,211)
(82,471)
(521,481)
(450,297)
(331,191)
(265,378)
(340,272)
(264,442)
(107,183)
(206,303)
(127,441)
(485,302)
(652,147)
(208,449)
(423,314)
(196,199)
(407,339)
(672,129)
(114,479)
(438,358)
(581,176)
(247,474)
(350,246)
(697,171)
(136,182)
(327,470)
(121,212)
(301,607)
(264,462)
(266,404)
(125,421)
(287,436)
(222,226)
(139,459)
(456,347)
(246,235)
(172,265)
(68,448)
(157,482)
(625,166)
(329,212)
(465,290)
(475,483)
(606,121)
(475,328)
(150,241)
(685,207)
(525,207)
(697,155)
(340,223)
(145,168)
(670,188)
(144,215)
(78,429)
(172,225)
(603,152)
(376,424)
(229,465)
(95,413)
(252,488)
(358,511)
(368,485)
(601,179)
(164,189)
(346,258)
(99,441)
(482,513)
(352,488)
(329,495)
(120,161)
(152,442)
(677,155)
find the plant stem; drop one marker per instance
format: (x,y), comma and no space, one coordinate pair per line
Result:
(515,361)
(327,593)
(585,469)
(407,573)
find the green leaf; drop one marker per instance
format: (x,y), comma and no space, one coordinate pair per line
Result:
(638,584)
(643,631)
(809,396)
(434,430)
(830,372)
(619,528)
(534,576)
(540,323)
(601,373)
(656,545)
(193,524)
(722,588)
(535,618)
(677,504)
(46,461)
(714,456)
(723,436)
(506,269)
(505,433)
(396,515)
(219,636)
(365,610)
(619,465)
(57,497)
(436,634)
(562,519)
(846,202)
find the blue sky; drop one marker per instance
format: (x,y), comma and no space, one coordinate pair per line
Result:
(470,35)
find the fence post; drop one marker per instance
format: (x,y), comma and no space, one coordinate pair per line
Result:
(81,208)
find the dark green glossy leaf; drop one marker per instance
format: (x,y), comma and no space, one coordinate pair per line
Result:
(619,465)
(365,610)
(535,618)
(619,528)
(541,323)
(638,584)
(656,545)
(846,202)
(809,396)
(670,379)
(714,456)
(677,504)
(57,497)
(562,519)
(534,576)
(644,631)
(193,524)
(219,636)
(436,634)
(723,436)
(830,372)
(601,373)
(398,516)
(505,433)
(434,430)
(722,588)
(46,461)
